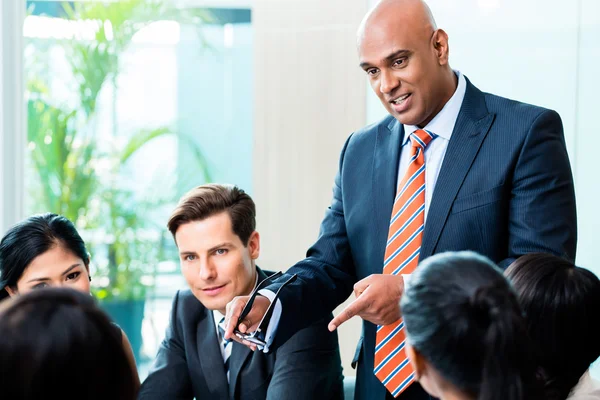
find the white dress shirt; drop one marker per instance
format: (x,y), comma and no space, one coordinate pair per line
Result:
(442,125)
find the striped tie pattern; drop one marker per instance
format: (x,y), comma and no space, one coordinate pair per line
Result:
(401,257)
(226,346)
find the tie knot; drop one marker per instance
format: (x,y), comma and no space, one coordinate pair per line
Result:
(421,138)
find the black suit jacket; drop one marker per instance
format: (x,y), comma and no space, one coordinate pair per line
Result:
(505,188)
(189,362)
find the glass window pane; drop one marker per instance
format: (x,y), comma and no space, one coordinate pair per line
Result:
(129,105)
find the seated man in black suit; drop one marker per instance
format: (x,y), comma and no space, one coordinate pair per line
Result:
(214,229)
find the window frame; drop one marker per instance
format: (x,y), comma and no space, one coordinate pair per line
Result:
(13,129)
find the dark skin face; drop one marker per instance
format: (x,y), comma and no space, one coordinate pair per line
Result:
(406,60)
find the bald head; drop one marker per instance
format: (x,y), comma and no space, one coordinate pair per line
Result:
(414,14)
(405,57)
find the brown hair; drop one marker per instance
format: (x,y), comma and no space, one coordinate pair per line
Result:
(207,200)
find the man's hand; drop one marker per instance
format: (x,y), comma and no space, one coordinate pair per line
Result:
(377,301)
(250,323)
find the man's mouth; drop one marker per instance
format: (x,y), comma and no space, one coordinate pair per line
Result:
(213,289)
(399,100)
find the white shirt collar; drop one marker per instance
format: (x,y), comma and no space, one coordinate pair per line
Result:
(443,123)
(217,316)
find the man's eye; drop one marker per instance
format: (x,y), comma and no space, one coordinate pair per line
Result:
(221,252)
(399,62)
(371,71)
(190,257)
(73,275)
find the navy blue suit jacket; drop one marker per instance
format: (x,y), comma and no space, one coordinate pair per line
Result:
(505,188)
(189,363)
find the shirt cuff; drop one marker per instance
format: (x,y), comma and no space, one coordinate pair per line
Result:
(274,322)
(406,278)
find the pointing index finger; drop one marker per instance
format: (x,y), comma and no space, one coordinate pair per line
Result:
(352,309)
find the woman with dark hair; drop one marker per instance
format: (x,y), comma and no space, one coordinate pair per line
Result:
(57,343)
(466,336)
(562,307)
(43,250)
(46,250)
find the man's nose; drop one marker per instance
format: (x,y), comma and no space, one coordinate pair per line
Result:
(207,270)
(388,82)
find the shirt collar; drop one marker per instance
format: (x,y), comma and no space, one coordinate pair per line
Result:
(443,123)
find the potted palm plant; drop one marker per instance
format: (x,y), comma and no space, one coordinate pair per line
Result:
(79,175)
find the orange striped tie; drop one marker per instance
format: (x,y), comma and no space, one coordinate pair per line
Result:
(401,257)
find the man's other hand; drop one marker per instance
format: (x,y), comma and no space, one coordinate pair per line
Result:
(377,301)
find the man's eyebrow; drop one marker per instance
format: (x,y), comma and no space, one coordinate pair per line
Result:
(398,53)
(220,246)
(388,58)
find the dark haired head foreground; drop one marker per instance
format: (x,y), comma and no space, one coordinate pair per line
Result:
(562,306)
(466,333)
(56,343)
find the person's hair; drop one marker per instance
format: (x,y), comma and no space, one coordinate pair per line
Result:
(56,342)
(462,316)
(561,303)
(32,237)
(207,200)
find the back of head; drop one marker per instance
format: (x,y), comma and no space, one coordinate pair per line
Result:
(58,343)
(30,238)
(462,316)
(562,304)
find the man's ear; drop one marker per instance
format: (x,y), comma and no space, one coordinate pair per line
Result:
(440,46)
(416,361)
(254,245)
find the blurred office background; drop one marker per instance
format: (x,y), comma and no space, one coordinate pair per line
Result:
(110,111)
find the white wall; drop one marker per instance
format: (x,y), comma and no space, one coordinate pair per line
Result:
(309,96)
(587,141)
(586,137)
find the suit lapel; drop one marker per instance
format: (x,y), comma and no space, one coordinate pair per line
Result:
(472,126)
(239,354)
(209,354)
(385,173)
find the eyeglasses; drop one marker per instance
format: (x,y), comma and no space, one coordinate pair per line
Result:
(264,322)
